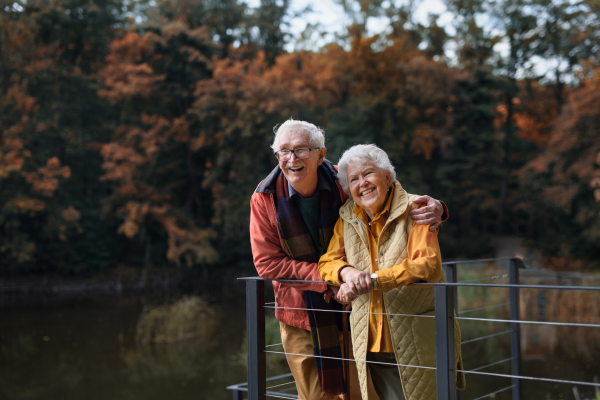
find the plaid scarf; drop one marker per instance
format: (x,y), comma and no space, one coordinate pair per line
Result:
(299,245)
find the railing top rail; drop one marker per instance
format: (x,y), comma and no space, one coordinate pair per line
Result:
(519,260)
(489,285)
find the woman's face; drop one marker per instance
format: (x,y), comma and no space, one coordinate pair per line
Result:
(368,185)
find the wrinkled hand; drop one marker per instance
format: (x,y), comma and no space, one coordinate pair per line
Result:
(431,214)
(358,282)
(338,298)
(345,294)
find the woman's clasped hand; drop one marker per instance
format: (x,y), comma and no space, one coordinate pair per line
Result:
(354,284)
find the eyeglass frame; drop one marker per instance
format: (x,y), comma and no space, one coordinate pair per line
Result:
(294,151)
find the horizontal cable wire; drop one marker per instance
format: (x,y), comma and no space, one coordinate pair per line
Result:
(478,261)
(483,308)
(276,344)
(497,391)
(507,285)
(491,278)
(291,396)
(519,321)
(349,359)
(516,321)
(282,384)
(530,378)
(270,303)
(489,365)
(355,312)
(276,378)
(289,390)
(503,285)
(485,337)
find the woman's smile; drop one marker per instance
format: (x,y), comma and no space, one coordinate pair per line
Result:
(368,192)
(368,185)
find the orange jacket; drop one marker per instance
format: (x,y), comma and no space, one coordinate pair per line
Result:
(273,262)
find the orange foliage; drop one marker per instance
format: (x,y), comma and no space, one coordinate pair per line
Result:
(45,180)
(132,155)
(70,214)
(13,152)
(125,74)
(24,204)
(579,123)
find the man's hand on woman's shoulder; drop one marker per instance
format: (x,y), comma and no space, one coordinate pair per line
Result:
(430,214)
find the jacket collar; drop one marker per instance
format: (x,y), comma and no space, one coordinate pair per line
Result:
(268,184)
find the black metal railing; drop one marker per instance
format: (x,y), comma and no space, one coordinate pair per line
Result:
(445,306)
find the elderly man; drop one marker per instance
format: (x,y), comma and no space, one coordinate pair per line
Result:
(293,213)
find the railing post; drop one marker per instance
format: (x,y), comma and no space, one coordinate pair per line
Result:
(515,334)
(238,395)
(444,343)
(452,277)
(255,331)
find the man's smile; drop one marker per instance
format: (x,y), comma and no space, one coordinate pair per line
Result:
(296,168)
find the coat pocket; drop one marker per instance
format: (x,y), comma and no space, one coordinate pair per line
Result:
(423,329)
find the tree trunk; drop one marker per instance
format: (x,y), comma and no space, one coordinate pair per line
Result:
(146,265)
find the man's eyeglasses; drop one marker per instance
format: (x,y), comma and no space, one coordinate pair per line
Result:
(301,153)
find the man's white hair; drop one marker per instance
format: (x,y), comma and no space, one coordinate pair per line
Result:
(315,134)
(359,154)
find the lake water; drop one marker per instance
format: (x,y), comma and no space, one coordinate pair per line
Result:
(86,348)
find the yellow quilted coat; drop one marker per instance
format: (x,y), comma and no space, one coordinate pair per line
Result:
(413,337)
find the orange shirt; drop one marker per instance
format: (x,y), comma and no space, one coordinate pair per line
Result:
(423,263)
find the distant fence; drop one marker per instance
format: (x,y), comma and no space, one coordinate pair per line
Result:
(445,305)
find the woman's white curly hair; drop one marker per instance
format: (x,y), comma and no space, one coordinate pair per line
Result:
(358,154)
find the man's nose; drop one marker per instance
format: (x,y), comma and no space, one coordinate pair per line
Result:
(293,156)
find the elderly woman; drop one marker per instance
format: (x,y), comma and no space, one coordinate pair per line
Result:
(376,251)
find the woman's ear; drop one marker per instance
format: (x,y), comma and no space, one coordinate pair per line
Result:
(388,178)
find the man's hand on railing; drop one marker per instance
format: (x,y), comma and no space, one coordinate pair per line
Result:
(346,295)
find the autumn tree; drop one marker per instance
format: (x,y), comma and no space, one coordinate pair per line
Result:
(567,174)
(149,158)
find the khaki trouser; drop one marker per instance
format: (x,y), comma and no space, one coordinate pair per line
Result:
(299,341)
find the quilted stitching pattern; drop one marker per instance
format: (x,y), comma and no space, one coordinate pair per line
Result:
(418,383)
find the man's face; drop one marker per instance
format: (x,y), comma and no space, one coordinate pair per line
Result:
(302,174)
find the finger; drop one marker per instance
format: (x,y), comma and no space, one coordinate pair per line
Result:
(423,211)
(420,210)
(352,289)
(360,289)
(433,227)
(422,216)
(428,221)
(421,199)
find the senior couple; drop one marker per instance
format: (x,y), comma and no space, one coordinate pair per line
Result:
(355,227)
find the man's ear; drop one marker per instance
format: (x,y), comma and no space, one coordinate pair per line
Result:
(322,153)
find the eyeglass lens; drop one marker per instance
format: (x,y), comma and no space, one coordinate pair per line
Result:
(301,153)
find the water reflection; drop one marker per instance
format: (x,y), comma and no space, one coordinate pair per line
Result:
(125,347)
(190,345)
